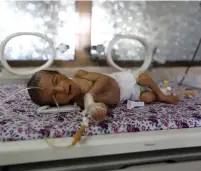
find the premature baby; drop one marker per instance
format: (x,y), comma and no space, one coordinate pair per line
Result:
(105,89)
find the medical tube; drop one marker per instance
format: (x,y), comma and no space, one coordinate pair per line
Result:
(28,89)
(1,103)
(88,100)
(19,92)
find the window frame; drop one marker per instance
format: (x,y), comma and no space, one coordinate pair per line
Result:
(82,59)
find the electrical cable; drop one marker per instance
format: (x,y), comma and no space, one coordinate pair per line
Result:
(190,63)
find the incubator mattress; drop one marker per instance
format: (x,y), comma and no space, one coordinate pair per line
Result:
(19,120)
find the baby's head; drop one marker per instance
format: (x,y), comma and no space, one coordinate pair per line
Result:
(54,85)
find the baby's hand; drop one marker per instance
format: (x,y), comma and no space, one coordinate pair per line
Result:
(99,114)
(98,111)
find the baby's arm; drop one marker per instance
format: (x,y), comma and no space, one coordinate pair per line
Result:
(97,110)
(100,80)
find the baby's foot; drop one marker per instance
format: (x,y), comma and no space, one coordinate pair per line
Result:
(169,99)
(99,114)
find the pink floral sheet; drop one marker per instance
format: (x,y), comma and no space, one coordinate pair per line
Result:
(20,121)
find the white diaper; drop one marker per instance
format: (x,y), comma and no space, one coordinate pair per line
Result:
(129,89)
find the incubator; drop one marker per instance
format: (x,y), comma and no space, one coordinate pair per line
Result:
(50,54)
(110,140)
(88,99)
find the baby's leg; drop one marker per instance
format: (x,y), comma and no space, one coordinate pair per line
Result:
(145,80)
(148,97)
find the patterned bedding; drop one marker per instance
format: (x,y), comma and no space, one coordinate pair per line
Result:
(19,120)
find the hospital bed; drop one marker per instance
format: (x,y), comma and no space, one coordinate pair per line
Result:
(166,141)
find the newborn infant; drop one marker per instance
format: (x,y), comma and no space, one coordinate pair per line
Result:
(106,89)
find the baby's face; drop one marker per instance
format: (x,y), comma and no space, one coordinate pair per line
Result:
(57,86)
